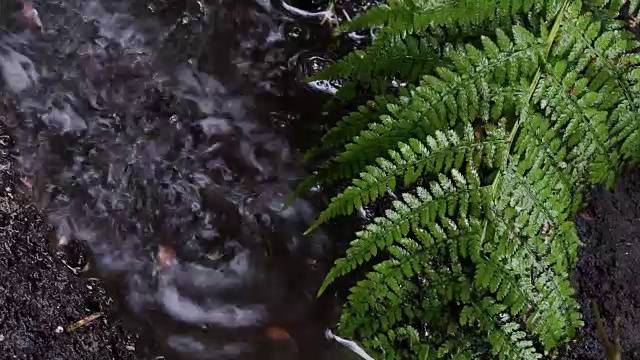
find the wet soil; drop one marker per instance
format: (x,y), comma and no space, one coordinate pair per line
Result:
(608,268)
(40,296)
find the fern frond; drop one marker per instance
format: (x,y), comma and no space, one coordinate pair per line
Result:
(446,195)
(616,6)
(392,56)
(385,291)
(446,98)
(507,338)
(352,124)
(590,82)
(508,271)
(414,16)
(626,130)
(401,57)
(486,255)
(438,154)
(625,118)
(392,282)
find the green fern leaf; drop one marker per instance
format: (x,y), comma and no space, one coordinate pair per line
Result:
(417,15)
(384,231)
(480,260)
(442,153)
(438,103)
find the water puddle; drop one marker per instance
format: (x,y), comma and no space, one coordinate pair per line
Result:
(171,174)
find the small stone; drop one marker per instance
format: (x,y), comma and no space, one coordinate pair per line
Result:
(131,348)
(63,241)
(166,257)
(1,338)
(59,330)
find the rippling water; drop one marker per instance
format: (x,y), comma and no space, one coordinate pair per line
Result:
(133,149)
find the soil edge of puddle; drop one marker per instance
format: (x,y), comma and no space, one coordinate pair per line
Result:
(40,296)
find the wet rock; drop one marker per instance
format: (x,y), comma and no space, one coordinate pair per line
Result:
(17,70)
(215,126)
(64,118)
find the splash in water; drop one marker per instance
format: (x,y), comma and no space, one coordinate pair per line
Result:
(169,175)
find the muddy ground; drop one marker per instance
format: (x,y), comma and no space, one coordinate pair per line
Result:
(40,295)
(609,268)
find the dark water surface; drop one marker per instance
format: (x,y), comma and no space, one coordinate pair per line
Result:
(140,130)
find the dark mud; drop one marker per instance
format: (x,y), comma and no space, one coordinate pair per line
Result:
(609,268)
(40,296)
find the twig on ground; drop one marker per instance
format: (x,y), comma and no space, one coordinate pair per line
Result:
(611,349)
(349,344)
(82,322)
(325,16)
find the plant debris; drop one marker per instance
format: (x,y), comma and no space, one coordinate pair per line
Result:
(83,322)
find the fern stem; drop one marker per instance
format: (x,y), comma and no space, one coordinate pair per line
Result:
(516,126)
(536,78)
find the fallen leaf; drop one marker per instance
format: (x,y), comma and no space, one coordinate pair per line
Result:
(587,215)
(277,333)
(166,256)
(31,17)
